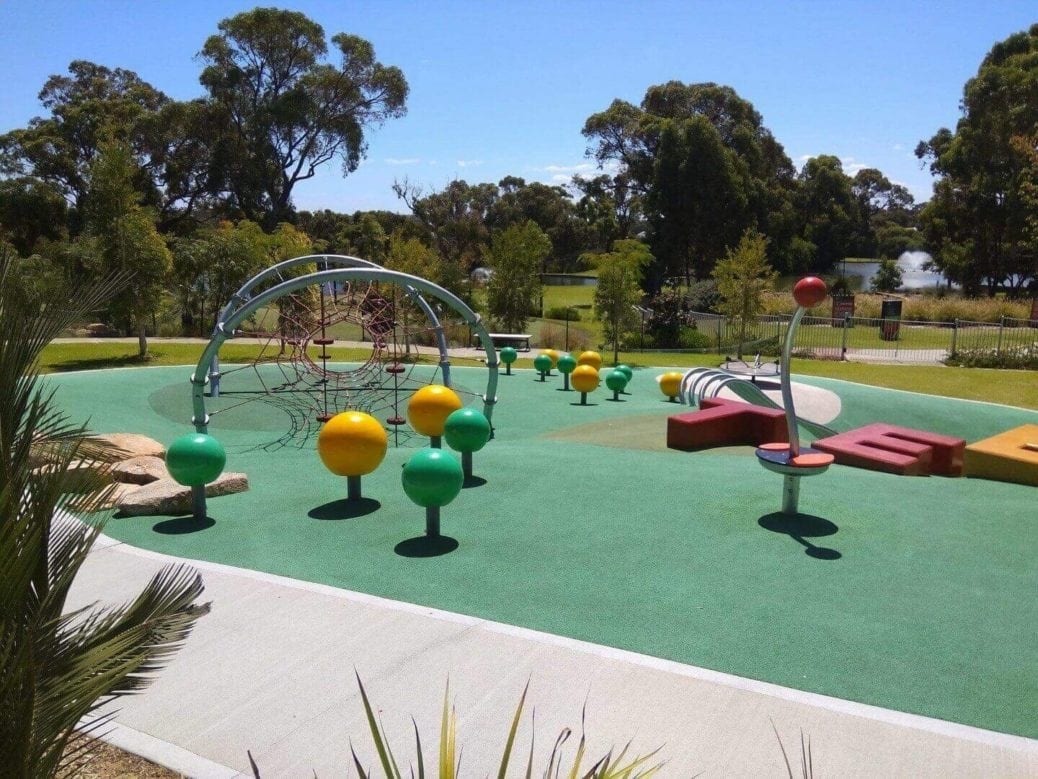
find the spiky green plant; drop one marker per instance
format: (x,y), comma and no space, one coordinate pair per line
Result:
(606,767)
(57,668)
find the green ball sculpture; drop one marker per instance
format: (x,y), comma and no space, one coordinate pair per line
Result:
(195,459)
(432,478)
(566,365)
(508,355)
(616,380)
(542,364)
(626,371)
(467,430)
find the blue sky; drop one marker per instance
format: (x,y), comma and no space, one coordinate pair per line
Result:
(503,88)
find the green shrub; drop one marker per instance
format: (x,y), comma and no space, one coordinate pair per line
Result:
(1021,357)
(563,313)
(690,338)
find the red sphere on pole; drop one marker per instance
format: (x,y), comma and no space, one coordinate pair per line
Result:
(809,291)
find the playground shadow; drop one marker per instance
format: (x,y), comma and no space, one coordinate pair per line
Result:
(180,525)
(473,481)
(615,400)
(800,527)
(578,403)
(426,546)
(345,509)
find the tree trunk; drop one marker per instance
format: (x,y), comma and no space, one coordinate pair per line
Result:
(142,339)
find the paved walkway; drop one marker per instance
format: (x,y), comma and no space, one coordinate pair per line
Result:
(271,670)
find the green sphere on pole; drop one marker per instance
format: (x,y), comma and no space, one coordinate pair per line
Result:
(567,363)
(466,430)
(542,364)
(508,355)
(616,380)
(626,371)
(432,478)
(195,459)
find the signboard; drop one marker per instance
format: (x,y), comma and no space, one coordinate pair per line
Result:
(843,307)
(891,316)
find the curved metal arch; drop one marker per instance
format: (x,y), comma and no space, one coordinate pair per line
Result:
(368,272)
(244,295)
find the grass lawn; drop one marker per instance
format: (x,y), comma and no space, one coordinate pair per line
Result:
(1013,388)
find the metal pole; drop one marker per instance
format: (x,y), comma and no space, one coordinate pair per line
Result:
(198,502)
(1001,328)
(466,464)
(846,327)
(790,494)
(787,390)
(353,488)
(432,521)
(955,335)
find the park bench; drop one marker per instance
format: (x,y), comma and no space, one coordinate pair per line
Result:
(518,341)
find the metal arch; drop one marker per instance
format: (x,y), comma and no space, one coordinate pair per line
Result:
(366,272)
(244,295)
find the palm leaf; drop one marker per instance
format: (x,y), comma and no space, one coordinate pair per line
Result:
(57,668)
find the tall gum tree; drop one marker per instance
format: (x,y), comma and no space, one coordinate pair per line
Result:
(287,111)
(978,220)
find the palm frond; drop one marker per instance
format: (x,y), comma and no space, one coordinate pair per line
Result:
(57,668)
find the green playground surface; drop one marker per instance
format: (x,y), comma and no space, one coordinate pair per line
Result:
(915,594)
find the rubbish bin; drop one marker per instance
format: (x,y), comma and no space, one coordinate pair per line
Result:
(890,314)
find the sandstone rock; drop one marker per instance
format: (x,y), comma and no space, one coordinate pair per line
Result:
(80,476)
(140,470)
(119,493)
(133,444)
(165,496)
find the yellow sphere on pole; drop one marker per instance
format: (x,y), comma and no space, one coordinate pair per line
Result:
(594,359)
(670,384)
(553,355)
(352,443)
(429,407)
(584,378)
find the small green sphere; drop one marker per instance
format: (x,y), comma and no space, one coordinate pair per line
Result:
(567,363)
(466,430)
(432,477)
(195,459)
(508,355)
(542,363)
(625,370)
(616,380)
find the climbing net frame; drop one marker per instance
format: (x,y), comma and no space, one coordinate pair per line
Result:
(306,386)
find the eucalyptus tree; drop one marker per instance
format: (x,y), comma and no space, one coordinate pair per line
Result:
(980,221)
(287,111)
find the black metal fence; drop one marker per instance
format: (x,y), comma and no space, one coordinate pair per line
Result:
(870,339)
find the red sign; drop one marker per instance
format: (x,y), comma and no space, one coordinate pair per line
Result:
(842,307)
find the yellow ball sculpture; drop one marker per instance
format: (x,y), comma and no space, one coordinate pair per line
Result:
(594,359)
(670,384)
(553,355)
(352,443)
(584,378)
(428,409)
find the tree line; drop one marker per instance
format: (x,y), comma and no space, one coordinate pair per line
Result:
(195,196)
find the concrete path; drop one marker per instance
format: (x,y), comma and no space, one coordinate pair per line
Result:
(271,670)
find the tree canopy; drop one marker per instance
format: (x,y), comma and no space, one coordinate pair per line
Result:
(286,111)
(979,221)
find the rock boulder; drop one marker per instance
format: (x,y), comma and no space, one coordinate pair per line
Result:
(133,444)
(165,496)
(140,470)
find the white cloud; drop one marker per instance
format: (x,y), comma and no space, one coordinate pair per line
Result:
(469,163)
(899,147)
(402,160)
(580,167)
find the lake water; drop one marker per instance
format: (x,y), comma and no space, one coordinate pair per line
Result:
(912,274)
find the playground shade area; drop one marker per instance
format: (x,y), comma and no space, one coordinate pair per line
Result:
(910,593)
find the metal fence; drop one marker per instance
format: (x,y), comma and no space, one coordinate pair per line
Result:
(870,340)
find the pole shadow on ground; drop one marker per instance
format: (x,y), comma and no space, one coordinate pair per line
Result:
(426,546)
(800,527)
(178,526)
(345,509)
